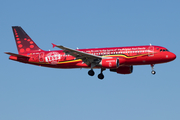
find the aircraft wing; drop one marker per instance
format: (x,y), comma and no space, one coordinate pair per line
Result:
(78,54)
(17,55)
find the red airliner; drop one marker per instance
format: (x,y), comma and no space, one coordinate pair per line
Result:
(116,59)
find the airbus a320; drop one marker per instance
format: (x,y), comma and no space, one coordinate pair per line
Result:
(117,59)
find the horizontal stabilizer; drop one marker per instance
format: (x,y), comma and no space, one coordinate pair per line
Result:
(17,55)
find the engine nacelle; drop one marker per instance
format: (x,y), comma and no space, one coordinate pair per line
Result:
(110,63)
(123,70)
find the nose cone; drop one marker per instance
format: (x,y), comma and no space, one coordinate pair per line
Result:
(172,56)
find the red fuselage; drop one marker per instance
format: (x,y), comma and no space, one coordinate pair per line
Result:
(134,55)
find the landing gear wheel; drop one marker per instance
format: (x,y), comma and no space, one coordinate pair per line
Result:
(91,72)
(152,67)
(101,76)
(153,72)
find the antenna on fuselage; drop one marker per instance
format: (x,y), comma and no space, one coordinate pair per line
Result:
(150,44)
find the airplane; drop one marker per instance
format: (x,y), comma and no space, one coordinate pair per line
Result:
(117,59)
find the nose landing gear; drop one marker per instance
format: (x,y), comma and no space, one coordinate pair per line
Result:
(152,67)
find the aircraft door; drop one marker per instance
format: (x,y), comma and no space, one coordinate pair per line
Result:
(41,57)
(151,51)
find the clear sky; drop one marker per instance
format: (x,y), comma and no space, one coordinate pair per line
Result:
(30,92)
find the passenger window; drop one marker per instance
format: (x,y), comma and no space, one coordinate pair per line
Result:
(160,50)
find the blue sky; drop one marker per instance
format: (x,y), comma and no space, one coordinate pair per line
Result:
(31,92)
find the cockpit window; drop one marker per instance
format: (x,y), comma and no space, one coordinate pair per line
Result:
(164,50)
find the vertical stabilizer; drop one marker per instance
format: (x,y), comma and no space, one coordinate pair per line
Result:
(23,41)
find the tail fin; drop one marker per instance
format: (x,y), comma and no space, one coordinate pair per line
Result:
(23,41)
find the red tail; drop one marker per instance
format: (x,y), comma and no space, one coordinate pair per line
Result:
(23,41)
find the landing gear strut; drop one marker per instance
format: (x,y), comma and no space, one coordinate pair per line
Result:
(91,72)
(152,67)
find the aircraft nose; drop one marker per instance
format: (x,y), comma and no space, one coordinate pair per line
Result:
(172,56)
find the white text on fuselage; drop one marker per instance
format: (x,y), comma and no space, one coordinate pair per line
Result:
(52,57)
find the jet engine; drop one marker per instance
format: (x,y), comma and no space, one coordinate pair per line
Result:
(110,63)
(123,70)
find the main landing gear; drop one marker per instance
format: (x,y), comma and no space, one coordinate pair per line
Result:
(91,72)
(100,76)
(152,67)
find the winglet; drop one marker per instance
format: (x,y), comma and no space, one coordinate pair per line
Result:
(53,45)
